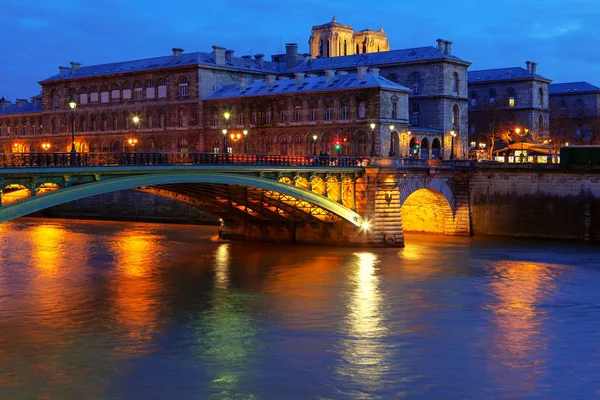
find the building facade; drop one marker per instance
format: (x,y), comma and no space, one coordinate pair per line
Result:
(507,105)
(168,95)
(335,40)
(575,112)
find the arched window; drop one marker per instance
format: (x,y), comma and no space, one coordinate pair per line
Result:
(473,97)
(364,49)
(268,115)
(357,52)
(55,98)
(455,116)
(83,96)
(321,47)
(345,48)
(562,108)
(416,83)
(415,115)
(283,145)
(82,124)
(149,89)
(183,145)
(149,121)
(103,122)
(161,120)
(182,117)
(104,94)
(115,122)
(436,149)
(511,97)
(115,92)
(393,77)
(162,89)
(541,123)
(126,91)
(138,91)
(579,108)
(394,110)
(183,86)
(93,123)
(455,83)
(541,97)
(492,96)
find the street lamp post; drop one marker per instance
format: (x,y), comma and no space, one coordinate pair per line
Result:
(392,152)
(73,106)
(373,139)
(133,141)
(226,116)
(46,146)
(482,148)
(453,134)
(408,143)
(315,144)
(245,132)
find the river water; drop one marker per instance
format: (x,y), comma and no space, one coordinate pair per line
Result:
(105,310)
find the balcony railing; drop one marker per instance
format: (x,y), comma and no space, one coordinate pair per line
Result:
(45,159)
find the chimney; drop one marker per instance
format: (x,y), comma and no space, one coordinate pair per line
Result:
(362,71)
(260,59)
(229,56)
(243,82)
(374,71)
(177,53)
(5,103)
(219,55)
(63,69)
(528,63)
(447,47)
(440,45)
(270,79)
(533,68)
(21,102)
(75,66)
(306,57)
(329,74)
(291,55)
(299,77)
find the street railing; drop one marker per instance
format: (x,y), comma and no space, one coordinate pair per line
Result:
(45,159)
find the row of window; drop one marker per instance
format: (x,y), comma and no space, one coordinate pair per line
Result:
(415,82)
(510,97)
(116,93)
(578,105)
(266,117)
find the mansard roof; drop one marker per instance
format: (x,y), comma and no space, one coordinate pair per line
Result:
(25,108)
(417,54)
(148,64)
(307,85)
(572,88)
(502,74)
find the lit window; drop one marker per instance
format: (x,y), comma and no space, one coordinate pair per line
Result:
(511,102)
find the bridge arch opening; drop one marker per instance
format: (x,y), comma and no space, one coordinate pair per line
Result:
(427,211)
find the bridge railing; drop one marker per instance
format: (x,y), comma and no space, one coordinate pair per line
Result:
(46,159)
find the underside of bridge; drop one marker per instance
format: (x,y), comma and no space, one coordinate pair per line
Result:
(253,213)
(427,211)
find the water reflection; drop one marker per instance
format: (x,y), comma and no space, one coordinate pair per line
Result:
(225,334)
(364,351)
(519,335)
(136,293)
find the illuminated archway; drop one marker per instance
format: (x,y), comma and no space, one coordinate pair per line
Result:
(426,210)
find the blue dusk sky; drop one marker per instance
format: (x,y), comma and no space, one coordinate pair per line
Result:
(562,36)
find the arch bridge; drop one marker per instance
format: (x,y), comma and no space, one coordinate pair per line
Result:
(307,199)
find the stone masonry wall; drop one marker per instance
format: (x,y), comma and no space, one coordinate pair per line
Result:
(551,204)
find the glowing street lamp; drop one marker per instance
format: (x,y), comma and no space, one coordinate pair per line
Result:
(46,146)
(373,139)
(226,116)
(392,153)
(453,134)
(72,107)
(315,144)
(245,132)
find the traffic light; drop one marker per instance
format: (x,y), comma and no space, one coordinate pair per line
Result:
(337,145)
(417,145)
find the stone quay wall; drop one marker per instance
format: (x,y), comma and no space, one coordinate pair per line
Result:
(535,202)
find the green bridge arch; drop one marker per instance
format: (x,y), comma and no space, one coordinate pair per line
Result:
(65,195)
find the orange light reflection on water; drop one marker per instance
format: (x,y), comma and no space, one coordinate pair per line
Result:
(519,287)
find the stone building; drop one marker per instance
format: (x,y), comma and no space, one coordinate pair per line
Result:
(575,112)
(503,99)
(333,40)
(308,114)
(438,93)
(167,94)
